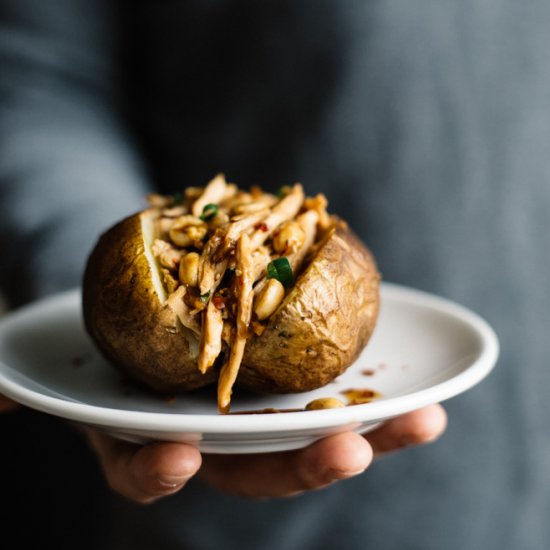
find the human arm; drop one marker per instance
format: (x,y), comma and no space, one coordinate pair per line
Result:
(67,166)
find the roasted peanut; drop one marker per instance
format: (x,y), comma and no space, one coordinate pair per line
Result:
(324,403)
(219,219)
(269,298)
(189,269)
(187,229)
(290,236)
(319,203)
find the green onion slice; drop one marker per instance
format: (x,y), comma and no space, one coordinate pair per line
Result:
(209,212)
(205,297)
(280,269)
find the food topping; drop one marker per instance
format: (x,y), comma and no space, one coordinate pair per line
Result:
(189,269)
(245,295)
(359,396)
(324,403)
(209,212)
(268,299)
(280,269)
(229,257)
(211,337)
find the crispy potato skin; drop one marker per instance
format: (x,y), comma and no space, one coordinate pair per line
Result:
(322,325)
(125,318)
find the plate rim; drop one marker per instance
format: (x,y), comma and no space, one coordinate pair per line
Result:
(168,422)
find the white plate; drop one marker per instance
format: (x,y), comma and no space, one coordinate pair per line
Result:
(424,350)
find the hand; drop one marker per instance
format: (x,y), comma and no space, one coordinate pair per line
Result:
(146,473)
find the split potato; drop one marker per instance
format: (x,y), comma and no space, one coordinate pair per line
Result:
(262,291)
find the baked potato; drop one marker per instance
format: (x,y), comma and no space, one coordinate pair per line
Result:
(267,292)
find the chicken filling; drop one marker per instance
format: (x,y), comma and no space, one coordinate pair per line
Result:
(227,259)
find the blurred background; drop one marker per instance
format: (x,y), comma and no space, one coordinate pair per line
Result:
(427,126)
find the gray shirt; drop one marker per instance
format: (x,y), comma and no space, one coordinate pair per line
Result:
(425,123)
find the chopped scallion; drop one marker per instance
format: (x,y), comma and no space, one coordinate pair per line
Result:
(280,269)
(204,297)
(209,212)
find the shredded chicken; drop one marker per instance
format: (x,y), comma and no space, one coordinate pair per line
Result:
(239,224)
(308,222)
(179,307)
(211,337)
(319,203)
(260,259)
(242,236)
(210,269)
(285,209)
(168,255)
(245,296)
(214,192)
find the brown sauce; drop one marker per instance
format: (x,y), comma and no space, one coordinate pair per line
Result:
(267,411)
(368,372)
(358,396)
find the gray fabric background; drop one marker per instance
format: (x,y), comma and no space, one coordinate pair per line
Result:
(426,123)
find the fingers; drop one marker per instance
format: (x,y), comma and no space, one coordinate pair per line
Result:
(7,404)
(288,473)
(415,428)
(145,473)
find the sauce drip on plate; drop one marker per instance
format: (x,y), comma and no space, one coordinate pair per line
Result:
(359,396)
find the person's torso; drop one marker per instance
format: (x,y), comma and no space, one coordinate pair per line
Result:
(426,125)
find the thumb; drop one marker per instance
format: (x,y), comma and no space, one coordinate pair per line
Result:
(146,473)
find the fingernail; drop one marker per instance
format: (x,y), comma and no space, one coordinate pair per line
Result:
(171,482)
(356,473)
(346,475)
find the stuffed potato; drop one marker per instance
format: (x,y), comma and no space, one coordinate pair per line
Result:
(268,292)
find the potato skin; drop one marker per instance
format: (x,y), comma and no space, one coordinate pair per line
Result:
(126,320)
(323,324)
